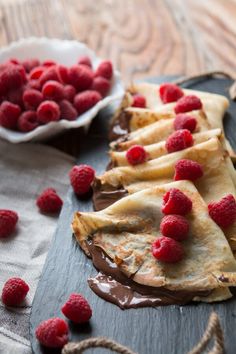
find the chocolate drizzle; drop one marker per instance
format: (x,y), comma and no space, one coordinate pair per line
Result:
(120,126)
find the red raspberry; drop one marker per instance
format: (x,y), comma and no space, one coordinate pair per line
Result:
(187,104)
(85,100)
(167,250)
(187,169)
(179,140)
(104,69)
(16,96)
(13,61)
(9,114)
(30,64)
(8,221)
(139,101)
(175,226)
(77,309)
(32,98)
(48,63)
(85,60)
(185,121)
(63,74)
(81,178)
(170,93)
(136,155)
(14,292)
(14,76)
(36,73)
(34,84)
(69,92)
(49,74)
(224,211)
(48,111)
(49,201)
(53,90)
(27,121)
(176,202)
(81,77)
(53,333)
(101,85)
(68,111)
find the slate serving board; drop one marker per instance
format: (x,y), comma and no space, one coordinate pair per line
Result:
(160,330)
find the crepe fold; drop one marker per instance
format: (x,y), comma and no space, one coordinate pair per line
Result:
(126,230)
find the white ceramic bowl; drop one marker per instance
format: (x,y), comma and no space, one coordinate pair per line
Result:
(64,52)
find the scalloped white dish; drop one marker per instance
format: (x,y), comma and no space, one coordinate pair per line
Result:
(64,52)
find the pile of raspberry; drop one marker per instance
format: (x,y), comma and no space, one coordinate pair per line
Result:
(34,93)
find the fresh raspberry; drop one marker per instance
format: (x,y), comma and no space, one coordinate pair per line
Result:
(85,60)
(101,85)
(185,121)
(136,155)
(77,309)
(14,292)
(30,64)
(81,178)
(49,74)
(34,84)
(170,93)
(167,250)
(176,202)
(104,69)
(48,63)
(179,140)
(69,92)
(27,121)
(63,73)
(32,98)
(13,61)
(8,221)
(53,90)
(48,111)
(81,77)
(85,100)
(175,226)
(16,96)
(9,114)
(49,201)
(68,111)
(187,104)
(36,73)
(14,76)
(187,169)
(224,211)
(139,101)
(53,333)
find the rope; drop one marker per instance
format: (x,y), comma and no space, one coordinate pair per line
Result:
(205,75)
(213,328)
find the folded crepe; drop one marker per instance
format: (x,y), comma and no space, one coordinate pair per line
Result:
(126,230)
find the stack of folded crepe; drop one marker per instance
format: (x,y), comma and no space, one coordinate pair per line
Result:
(128,199)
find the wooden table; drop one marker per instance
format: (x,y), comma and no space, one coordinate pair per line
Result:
(142,37)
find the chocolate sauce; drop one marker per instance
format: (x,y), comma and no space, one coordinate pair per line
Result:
(120,126)
(112,285)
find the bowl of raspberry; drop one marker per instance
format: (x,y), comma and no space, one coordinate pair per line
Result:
(50,85)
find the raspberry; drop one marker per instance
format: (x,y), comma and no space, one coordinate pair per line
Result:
(27,121)
(139,101)
(69,92)
(63,74)
(77,309)
(49,74)
(9,114)
(187,169)
(179,140)
(48,63)
(14,61)
(224,211)
(81,178)
(16,96)
(101,85)
(85,60)
(53,333)
(14,292)
(176,202)
(104,69)
(14,76)
(81,77)
(170,93)
(187,104)
(8,221)
(175,226)
(32,98)
(34,84)
(167,250)
(53,90)
(185,121)
(86,100)
(136,155)
(68,111)
(30,64)
(49,201)
(48,111)
(36,73)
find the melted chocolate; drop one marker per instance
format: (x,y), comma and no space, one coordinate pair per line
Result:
(120,126)
(112,285)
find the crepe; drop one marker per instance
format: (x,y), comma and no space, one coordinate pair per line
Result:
(126,230)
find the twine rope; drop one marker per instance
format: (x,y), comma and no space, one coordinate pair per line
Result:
(204,75)
(213,329)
